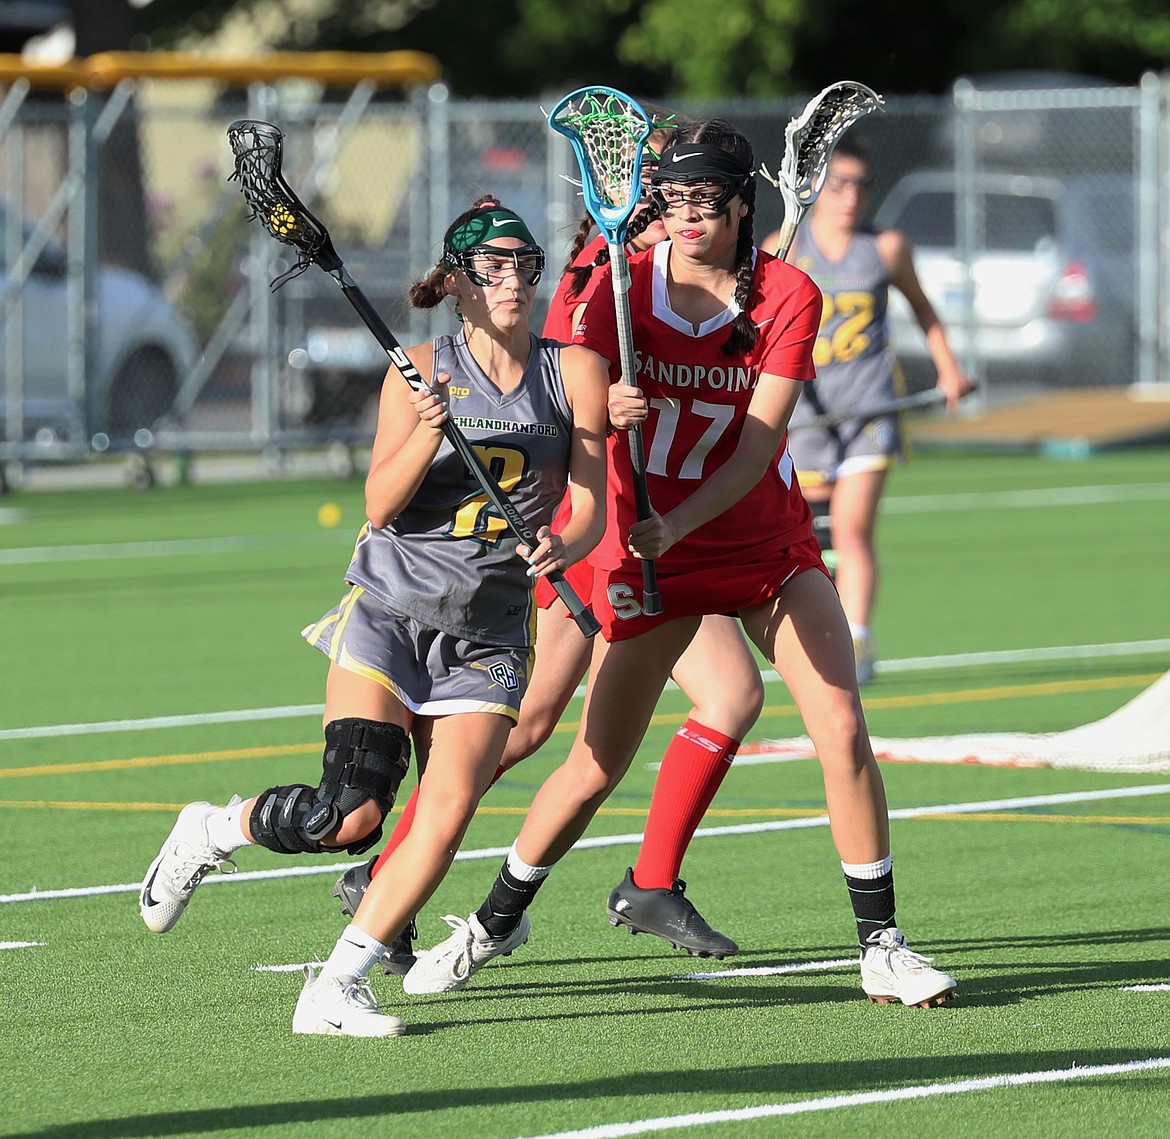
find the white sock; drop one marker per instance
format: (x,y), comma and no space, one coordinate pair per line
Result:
(224,828)
(869,869)
(354,955)
(861,632)
(522,871)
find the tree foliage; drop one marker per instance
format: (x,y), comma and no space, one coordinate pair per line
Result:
(696,48)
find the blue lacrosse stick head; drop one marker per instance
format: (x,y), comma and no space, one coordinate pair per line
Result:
(603,124)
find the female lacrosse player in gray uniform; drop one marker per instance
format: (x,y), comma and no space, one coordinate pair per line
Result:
(842,469)
(434,637)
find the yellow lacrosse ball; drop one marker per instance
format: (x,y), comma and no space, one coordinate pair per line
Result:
(329,515)
(282,221)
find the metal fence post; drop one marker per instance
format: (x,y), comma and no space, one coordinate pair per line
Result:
(262,325)
(81,260)
(1162,244)
(14,304)
(437,180)
(1150,250)
(967,227)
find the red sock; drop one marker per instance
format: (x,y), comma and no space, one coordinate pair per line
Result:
(405,821)
(692,769)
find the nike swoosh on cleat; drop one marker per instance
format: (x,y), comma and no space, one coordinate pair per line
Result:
(147,900)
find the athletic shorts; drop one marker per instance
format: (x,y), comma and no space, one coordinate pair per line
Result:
(824,454)
(579,575)
(725,589)
(431,672)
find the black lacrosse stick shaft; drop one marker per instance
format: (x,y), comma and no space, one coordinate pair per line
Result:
(586,621)
(258,147)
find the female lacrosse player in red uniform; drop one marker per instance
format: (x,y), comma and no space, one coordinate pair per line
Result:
(724,336)
(842,469)
(717,671)
(434,639)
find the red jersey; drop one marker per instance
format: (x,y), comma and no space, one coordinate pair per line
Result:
(698,405)
(558,324)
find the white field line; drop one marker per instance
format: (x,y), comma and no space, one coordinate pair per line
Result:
(171,548)
(770,970)
(860,1099)
(601,841)
(1025,499)
(285,968)
(1145,988)
(894,504)
(20,944)
(292,711)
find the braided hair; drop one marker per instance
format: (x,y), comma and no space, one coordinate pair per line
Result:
(719,132)
(580,274)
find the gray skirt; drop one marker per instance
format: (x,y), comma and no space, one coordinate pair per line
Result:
(431,672)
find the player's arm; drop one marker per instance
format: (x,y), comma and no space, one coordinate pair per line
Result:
(407,439)
(898,258)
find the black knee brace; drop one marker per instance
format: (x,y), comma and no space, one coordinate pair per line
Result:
(364,760)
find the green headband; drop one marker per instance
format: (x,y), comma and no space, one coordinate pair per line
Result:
(491,223)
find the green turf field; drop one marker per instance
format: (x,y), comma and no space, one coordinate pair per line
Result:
(135,621)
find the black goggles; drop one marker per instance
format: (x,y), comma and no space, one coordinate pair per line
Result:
(709,195)
(489,264)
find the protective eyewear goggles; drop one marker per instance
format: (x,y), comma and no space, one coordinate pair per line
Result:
(711,195)
(490,265)
(839,183)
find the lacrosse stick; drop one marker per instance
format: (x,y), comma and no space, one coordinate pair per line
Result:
(608,131)
(258,147)
(902,403)
(808,145)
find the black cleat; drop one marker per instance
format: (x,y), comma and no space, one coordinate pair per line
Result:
(349,889)
(669,915)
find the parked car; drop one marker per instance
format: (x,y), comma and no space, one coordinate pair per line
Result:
(143,349)
(1053,274)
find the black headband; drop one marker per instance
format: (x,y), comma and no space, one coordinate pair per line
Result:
(700,162)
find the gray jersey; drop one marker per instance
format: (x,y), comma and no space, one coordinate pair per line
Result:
(448,560)
(854,367)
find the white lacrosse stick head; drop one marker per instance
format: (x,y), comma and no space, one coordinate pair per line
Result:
(809,140)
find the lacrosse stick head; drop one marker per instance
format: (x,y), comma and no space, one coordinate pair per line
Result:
(608,132)
(810,138)
(259,148)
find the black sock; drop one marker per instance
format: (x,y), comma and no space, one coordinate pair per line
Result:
(507,900)
(873,904)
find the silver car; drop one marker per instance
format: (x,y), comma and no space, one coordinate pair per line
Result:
(143,349)
(1052,277)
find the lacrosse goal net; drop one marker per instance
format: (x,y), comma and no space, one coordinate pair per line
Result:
(1135,738)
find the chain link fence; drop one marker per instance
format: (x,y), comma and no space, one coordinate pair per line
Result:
(137,313)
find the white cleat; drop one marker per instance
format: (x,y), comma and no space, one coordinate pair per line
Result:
(450,964)
(341,1006)
(185,860)
(892,971)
